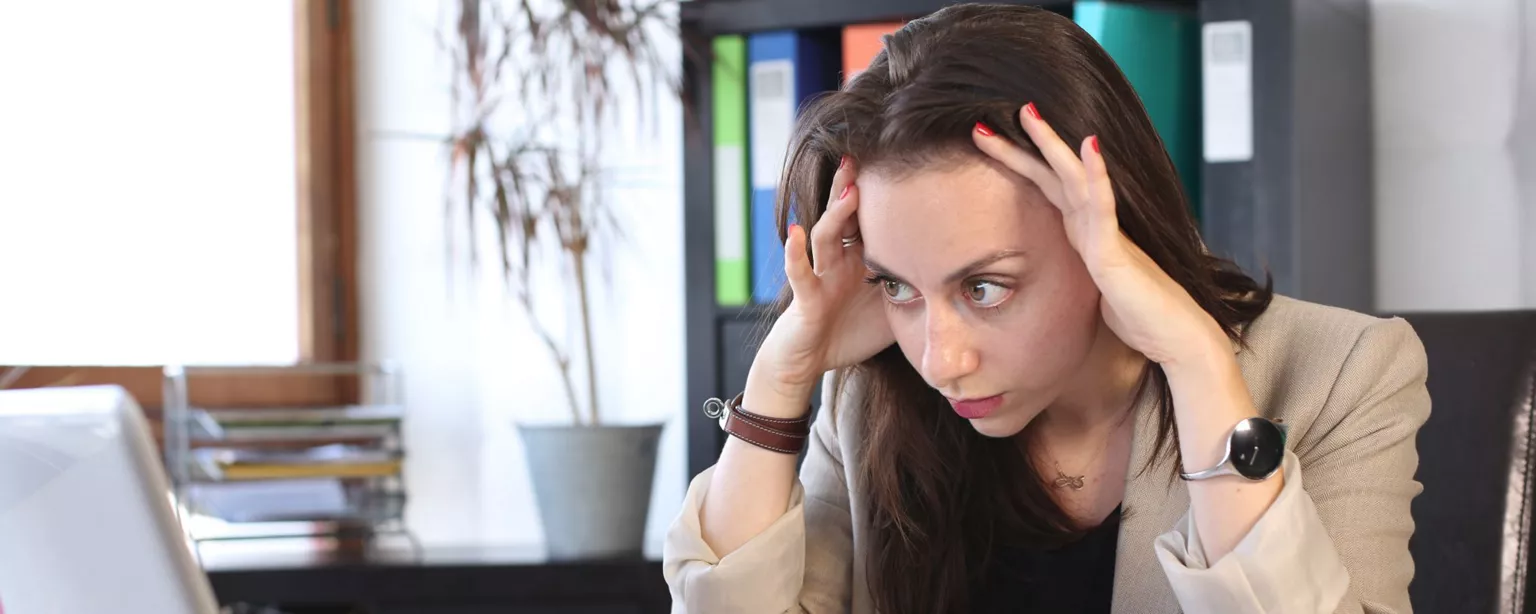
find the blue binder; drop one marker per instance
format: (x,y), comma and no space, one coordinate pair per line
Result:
(786,69)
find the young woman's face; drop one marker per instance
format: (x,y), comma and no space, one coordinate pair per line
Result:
(986,297)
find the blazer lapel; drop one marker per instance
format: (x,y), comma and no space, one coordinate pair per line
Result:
(1155,500)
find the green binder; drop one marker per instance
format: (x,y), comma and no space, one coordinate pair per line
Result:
(731,190)
(1159,52)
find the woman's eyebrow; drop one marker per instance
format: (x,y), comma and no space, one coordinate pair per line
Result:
(878,269)
(959,274)
(981,263)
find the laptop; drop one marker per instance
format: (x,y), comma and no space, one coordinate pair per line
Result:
(86,519)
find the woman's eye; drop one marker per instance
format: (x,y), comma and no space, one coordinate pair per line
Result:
(986,293)
(898,292)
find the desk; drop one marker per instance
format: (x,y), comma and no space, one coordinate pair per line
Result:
(312,577)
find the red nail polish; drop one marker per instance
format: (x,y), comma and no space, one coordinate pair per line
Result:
(792,228)
(846,188)
(1032,111)
(1093,141)
(984,130)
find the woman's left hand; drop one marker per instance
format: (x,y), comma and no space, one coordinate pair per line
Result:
(1153,315)
(1145,307)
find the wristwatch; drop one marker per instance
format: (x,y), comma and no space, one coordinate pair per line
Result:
(1255,450)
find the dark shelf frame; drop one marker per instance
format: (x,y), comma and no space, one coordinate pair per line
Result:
(712,17)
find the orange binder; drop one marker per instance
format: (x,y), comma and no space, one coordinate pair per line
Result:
(861,43)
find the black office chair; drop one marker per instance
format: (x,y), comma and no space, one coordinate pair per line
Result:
(1472,541)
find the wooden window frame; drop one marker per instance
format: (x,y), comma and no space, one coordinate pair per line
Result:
(327,232)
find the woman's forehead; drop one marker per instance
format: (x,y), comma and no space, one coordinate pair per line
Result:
(927,218)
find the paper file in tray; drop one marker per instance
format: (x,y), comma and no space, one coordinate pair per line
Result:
(331,461)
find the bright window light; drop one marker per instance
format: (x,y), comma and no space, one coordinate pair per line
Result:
(147,182)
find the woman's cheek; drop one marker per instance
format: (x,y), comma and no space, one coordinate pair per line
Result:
(908,330)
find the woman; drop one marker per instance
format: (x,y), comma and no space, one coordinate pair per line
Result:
(1037,368)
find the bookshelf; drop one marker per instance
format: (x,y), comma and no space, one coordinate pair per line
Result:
(1301,206)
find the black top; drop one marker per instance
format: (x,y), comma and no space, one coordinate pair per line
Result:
(1075,578)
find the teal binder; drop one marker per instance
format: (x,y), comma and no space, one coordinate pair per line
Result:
(1159,52)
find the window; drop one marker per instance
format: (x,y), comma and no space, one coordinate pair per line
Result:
(175,187)
(149,211)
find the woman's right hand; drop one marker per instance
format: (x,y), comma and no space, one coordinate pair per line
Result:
(835,319)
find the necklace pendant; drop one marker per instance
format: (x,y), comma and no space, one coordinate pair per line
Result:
(1075,482)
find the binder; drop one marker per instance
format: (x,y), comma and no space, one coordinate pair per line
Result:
(1288,176)
(861,43)
(1158,49)
(786,68)
(732,195)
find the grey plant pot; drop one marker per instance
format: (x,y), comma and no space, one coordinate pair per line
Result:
(593,485)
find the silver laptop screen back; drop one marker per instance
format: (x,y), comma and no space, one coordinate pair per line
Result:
(86,523)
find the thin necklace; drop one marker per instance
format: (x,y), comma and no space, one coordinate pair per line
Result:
(1076,482)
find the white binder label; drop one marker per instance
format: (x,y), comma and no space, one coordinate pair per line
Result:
(1226,49)
(730,203)
(771,91)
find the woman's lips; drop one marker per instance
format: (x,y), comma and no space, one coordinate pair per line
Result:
(973,409)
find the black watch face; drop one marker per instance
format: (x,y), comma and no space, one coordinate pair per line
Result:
(1258,447)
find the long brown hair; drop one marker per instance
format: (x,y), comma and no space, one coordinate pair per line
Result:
(940,495)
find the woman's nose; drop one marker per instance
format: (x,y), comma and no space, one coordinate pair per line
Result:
(948,354)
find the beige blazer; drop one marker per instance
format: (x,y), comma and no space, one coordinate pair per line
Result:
(1349,386)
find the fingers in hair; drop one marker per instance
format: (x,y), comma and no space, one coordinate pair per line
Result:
(1019,161)
(837,221)
(1101,192)
(797,265)
(1057,153)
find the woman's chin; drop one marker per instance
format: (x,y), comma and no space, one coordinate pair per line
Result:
(1001,424)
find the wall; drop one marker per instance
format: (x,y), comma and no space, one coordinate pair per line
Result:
(1455,100)
(472,364)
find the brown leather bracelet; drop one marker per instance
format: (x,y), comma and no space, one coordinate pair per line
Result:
(795,426)
(783,435)
(763,437)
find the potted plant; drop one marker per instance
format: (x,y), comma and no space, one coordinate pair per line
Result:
(536,88)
